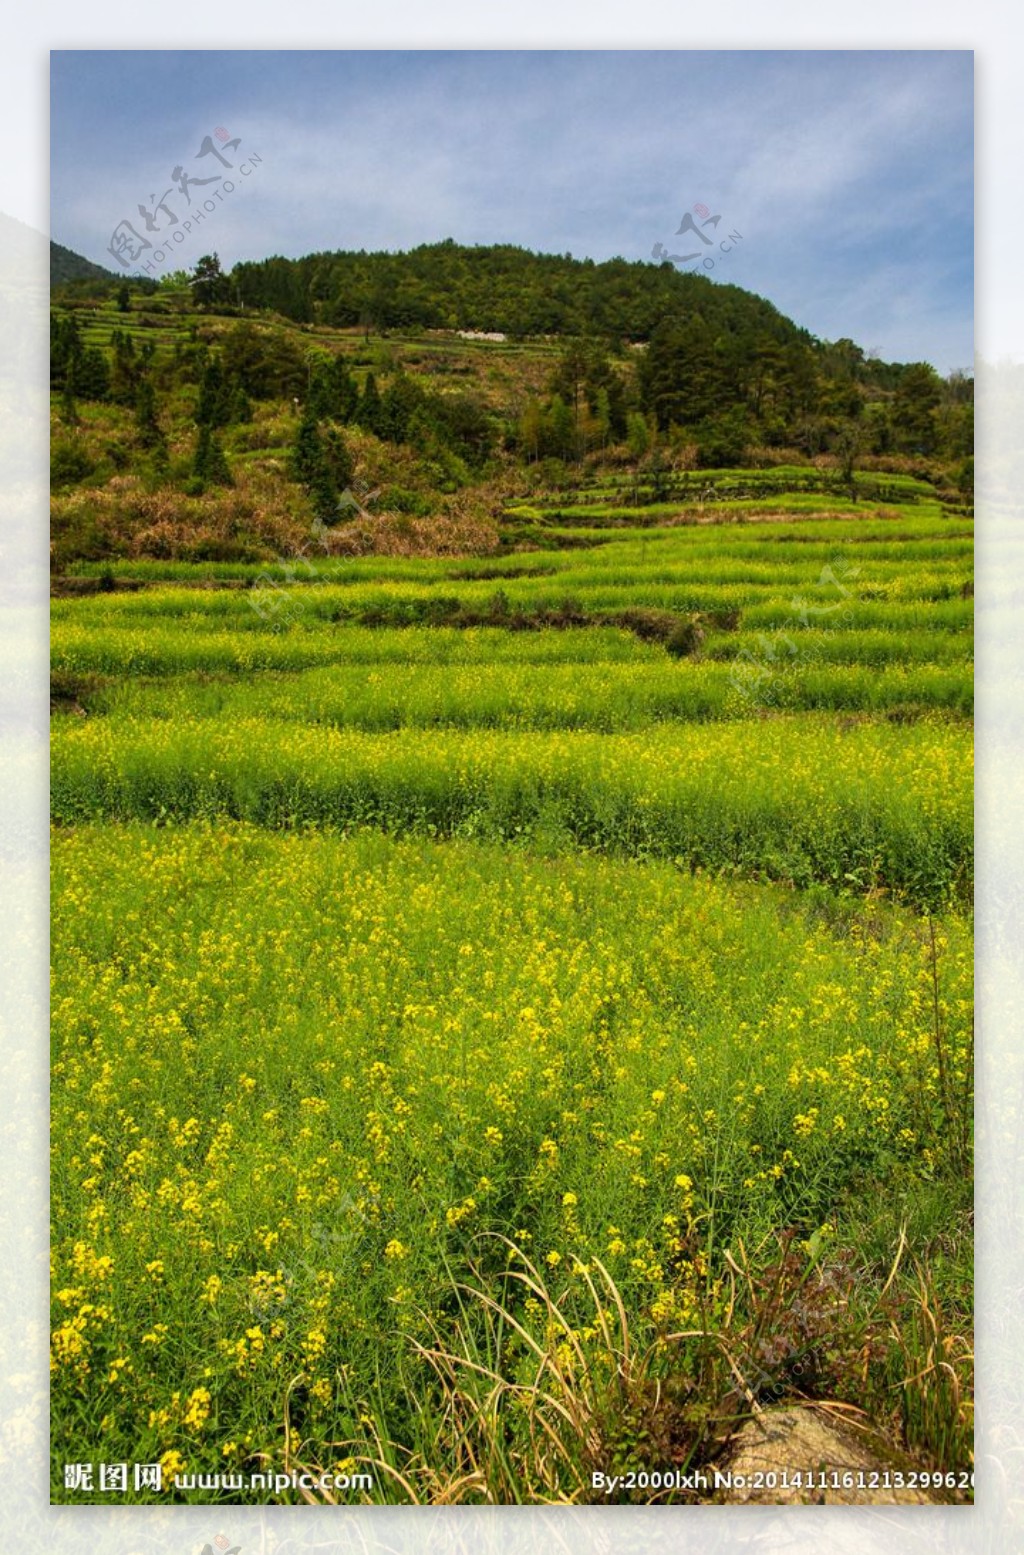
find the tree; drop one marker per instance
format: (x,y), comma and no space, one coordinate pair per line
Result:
(638,439)
(368,411)
(146,425)
(267,365)
(570,376)
(214,407)
(602,418)
(124,298)
(209,283)
(877,424)
(722,440)
(398,403)
(339,458)
(307,451)
(638,435)
(68,408)
(91,375)
(209,464)
(124,380)
(917,398)
(240,407)
(344,391)
(312,469)
(65,347)
(560,429)
(319,384)
(847,447)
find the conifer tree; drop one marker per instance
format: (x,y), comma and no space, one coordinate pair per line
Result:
(311,469)
(209,464)
(368,412)
(146,425)
(68,407)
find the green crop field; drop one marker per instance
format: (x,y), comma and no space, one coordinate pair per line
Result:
(512,1013)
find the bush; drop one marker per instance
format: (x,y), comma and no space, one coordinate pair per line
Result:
(69,463)
(685,640)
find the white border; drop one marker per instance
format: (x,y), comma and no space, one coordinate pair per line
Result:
(995,1522)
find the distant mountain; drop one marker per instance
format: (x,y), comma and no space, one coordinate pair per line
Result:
(66,265)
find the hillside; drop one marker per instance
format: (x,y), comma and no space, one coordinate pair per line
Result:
(66,265)
(205,416)
(498,288)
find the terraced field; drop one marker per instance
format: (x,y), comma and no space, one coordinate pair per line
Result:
(502,1001)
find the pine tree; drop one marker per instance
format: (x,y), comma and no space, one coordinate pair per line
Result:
(160,460)
(209,283)
(146,425)
(92,375)
(638,435)
(344,391)
(320,396)
(68,407)
(307,452)
(217,469)
(561,429)
(368,412)
(240,405)
(124,379)
(310,467)
(339,459)
(201,457)
(65,347)
(213,409)
(209,464)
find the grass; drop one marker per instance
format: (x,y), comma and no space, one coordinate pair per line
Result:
(808,801)
(611,691)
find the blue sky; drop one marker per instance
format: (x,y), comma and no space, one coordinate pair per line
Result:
(849,174)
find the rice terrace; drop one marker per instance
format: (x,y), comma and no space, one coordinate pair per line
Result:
(512,882)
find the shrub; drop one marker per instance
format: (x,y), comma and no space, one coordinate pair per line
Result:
(69,463)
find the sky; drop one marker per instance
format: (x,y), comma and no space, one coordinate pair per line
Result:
(847,175)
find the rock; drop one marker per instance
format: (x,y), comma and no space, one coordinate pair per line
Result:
(796,1440)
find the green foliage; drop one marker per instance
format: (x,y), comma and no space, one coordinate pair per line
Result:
(918,395)
(209,284)
(68,407)
(266,362)
(146,424)
(215,397)
(127,368)
(499,287)
(723,439)
(368,412)
(638,435)
(69,463)
(314,468)
(209,465)
(339,459)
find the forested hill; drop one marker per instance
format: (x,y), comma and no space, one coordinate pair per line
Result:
(501,288)
(66,265)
